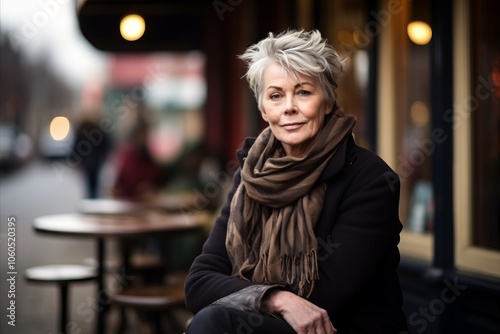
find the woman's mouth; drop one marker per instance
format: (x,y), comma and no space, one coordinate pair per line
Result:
(292,126)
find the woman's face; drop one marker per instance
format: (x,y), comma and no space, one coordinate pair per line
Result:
(295,110)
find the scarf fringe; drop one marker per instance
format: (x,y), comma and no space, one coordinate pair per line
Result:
(301,270)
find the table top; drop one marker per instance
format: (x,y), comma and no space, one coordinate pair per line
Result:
(165,202)
(61,273)
(110,206)
(119,225)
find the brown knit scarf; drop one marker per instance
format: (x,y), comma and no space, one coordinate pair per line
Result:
(270,236)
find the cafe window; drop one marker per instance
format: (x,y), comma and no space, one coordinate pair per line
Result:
(477,136)
(404,123)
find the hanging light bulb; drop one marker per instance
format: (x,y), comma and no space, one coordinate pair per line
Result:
(419,32)
(132,27)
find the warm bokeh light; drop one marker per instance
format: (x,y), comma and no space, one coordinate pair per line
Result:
(132,27)
(419,113)
(419,32)
(59,128)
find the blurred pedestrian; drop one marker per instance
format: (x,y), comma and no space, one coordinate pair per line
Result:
(92,144)
(139,176)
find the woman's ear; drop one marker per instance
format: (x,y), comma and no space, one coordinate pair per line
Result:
(331,107)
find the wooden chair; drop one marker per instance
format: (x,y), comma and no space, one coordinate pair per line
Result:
(152,302)
(155,302)
(62,275)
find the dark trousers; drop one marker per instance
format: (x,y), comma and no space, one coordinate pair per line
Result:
(224,320)
(92,175)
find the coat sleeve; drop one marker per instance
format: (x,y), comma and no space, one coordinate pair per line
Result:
(362,245)
(209,277)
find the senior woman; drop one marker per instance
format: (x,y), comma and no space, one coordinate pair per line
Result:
(307,240)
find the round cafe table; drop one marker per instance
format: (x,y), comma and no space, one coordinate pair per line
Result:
(170,203)
(100,227)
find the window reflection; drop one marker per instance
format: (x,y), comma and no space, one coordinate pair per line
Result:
(346,29)
(415,144)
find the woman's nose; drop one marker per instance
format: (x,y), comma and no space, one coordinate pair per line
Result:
(290,107)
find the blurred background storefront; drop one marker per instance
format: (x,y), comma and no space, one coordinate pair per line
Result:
(421,76)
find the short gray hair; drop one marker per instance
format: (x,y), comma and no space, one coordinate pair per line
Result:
(301,52)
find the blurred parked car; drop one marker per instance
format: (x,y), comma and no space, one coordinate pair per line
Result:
(15,147)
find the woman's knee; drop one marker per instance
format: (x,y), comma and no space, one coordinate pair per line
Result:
(224,320)
(211,319)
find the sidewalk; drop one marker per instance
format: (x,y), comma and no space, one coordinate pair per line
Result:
(25,194)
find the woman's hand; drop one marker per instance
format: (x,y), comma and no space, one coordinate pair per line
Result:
(303,316)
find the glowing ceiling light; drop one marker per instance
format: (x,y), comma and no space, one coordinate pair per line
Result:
(59,128)
(419,32)
(132,27)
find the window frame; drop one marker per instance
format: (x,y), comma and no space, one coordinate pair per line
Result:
(468,257)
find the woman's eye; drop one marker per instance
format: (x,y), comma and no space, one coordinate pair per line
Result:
(275,96)
(303,93)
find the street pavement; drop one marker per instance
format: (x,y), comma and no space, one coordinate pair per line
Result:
(34,190)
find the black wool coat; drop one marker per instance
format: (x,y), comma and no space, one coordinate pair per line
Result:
(358,234)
